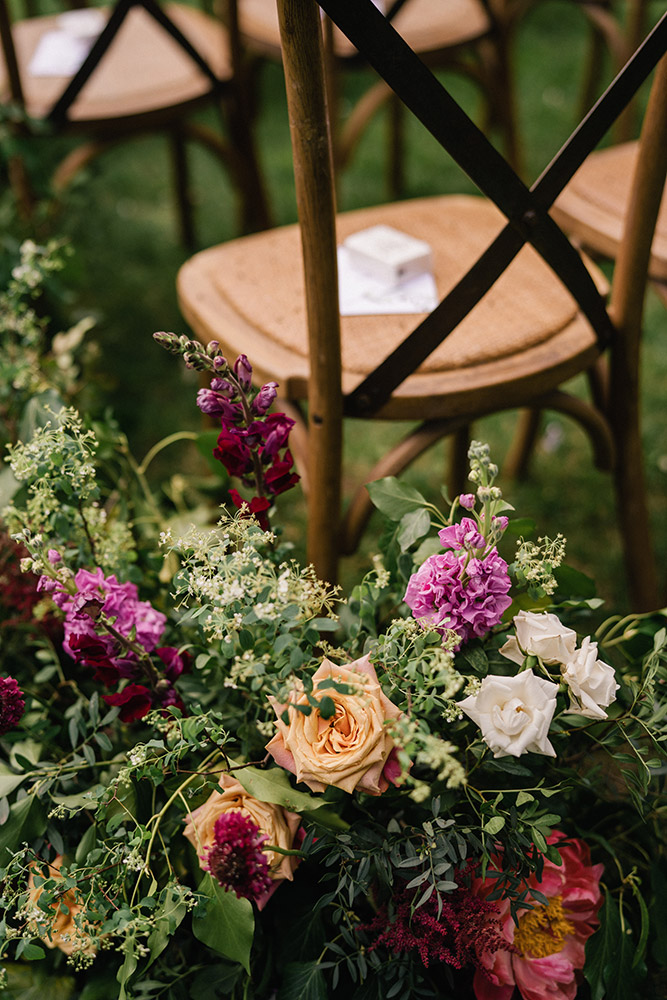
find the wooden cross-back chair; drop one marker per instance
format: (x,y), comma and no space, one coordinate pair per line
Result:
(514,323)
(148,70)
(467,37)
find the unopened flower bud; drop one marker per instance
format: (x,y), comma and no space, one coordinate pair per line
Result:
(264,398)
(243,371)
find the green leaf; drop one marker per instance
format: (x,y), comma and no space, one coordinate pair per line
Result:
(414,525)
(224,923)
(394,498)
(573,583)
(610,952)
(494,825)
(33,952)
(86,845)
(274,786)
(524,797)
(8,782)
(303,981)
(167,917)
(27,821)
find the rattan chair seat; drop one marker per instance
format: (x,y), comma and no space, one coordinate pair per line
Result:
(428,26)
(593,206)
(527,323)
(144,71)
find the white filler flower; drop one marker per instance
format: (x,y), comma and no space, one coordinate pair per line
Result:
(541,635)
(514,713)
(591,682)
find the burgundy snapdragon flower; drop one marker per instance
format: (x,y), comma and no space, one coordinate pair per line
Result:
(134,701)
(236,860)
(253,443)
(12,704)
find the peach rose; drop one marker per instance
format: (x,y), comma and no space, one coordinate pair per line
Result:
(277,824)
(64,933)
(352,749)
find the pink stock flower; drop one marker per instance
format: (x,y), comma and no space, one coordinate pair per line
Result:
(546,948)
(97,594)
(462,589)
(12,705)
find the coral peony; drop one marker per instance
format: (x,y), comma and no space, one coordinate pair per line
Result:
(547,943)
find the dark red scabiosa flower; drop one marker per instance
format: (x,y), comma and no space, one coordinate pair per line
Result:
(235,860)
(134,700)
(463,929)
(12,705)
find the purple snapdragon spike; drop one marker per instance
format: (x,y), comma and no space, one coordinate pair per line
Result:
(264,399)
(12,704)
(243,371)
(236,860)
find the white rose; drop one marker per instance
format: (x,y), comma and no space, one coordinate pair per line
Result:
(591,682)
(514,713)
(541,635)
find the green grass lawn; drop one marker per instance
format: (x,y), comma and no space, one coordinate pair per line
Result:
(120,220)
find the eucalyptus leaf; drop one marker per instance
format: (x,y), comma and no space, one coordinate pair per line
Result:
(302,981)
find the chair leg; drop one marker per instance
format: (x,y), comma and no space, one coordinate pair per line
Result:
(255,215)
(396,150)
(517,459)
(459,443)
(182,188)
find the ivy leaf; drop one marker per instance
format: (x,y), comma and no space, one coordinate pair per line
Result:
(224,923)
(303,981)
(394,498)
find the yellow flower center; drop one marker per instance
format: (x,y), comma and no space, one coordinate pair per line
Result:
(542,930)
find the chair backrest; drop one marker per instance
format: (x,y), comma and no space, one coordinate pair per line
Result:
(58,114)
(526,209)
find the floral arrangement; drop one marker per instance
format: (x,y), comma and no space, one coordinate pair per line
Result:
(220,779)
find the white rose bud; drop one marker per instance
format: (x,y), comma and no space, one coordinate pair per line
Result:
(541,635)
(514,713)
(591,682)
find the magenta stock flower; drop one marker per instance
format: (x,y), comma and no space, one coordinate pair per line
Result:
(465,588)
(12,705)
(97,594)
(235,859)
